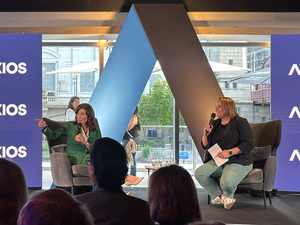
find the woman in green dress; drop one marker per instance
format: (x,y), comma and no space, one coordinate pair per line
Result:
(81,134)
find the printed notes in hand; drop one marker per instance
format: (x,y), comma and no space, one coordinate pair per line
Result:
(214,152)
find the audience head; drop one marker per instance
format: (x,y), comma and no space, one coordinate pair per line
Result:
(89,111)
(54,206)
(13,191)
(228,106)
(172,196)
(73,103)
(108,165)
(207,223)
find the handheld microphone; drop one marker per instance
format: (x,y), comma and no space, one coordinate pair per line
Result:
(213,115)
(79,125)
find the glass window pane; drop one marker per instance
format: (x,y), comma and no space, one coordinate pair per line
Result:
(156,117)
(247,96)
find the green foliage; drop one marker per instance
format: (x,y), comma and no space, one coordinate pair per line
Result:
(156,108)
(45,147)
(149,142)
(145,152)
(155,143)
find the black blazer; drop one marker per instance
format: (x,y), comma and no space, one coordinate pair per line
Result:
(114,207)
(238,133)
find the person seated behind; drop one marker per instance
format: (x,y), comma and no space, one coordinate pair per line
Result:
(54,206)
(108,167)
(70,112)
(79,138)
(13,191)
(172,196)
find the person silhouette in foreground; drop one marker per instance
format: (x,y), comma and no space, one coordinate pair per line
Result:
(108,203)
(54,206)
(13,191)
(172,196)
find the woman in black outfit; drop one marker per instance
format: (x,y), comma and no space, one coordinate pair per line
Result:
(234,136)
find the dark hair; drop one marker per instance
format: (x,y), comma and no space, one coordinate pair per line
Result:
(138,126)
(207,223)
(54,206)
(70,106)
(110,162)
(91,121)
(172,196)
(13,191)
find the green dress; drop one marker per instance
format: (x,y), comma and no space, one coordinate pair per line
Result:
(77,152)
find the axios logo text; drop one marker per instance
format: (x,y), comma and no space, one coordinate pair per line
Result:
(12,152)
(295,110)
(12,110)
(294,155)
(12,68)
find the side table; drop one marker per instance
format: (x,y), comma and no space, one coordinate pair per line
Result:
(151,168)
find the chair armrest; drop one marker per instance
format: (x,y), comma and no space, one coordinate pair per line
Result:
(80,171)
(270,173)
(58,148)
(61,170)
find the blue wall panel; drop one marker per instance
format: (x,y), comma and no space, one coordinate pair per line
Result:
(285,81)
(123,79)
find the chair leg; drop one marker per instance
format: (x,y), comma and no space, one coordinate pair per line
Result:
(264,196)
(270,195)
(72,190)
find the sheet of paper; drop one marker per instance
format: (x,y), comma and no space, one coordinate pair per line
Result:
(213,150)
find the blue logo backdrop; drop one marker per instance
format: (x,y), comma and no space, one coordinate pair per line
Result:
(21,103)
(285,80)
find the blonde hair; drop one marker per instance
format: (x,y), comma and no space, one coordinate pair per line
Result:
(228,106)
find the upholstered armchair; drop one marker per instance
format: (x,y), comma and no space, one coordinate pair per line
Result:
(63,174)
(266,137)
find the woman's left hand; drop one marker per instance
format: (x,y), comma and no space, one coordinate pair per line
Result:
(80,138)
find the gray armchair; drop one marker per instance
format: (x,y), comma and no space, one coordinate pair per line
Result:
(63,174)
(266,137)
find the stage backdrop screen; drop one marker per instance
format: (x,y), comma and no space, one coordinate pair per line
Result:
(21,103)
(285,80)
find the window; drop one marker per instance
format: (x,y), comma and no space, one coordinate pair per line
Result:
(226,85)
(155,137)
(87,82)
(48,83)
(68,84)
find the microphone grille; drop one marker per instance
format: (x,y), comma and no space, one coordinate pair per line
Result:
(79,125)
(213,115)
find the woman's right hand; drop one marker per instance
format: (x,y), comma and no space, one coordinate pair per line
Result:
(42,123)
(207,129)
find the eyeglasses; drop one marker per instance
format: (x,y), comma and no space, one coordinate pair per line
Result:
(88,161)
